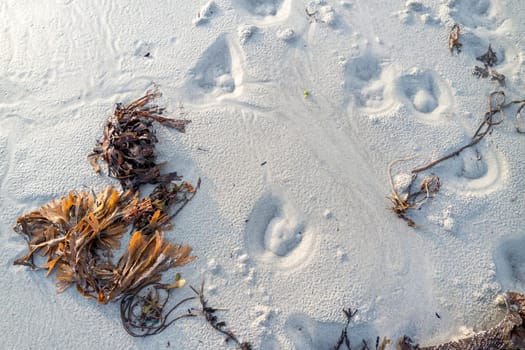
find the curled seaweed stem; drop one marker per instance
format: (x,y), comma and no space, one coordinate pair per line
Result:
(144,315)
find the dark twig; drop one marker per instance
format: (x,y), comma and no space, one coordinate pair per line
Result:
(496,102)
(220,326)
(343,338)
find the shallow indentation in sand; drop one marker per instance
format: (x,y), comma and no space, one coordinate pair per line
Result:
(308,334)
(276,233)
(510,263)
(367,85)
(481,170)
(473,13)
(261,7)
(424,93)
(266,11)
(364,68)
(216,72)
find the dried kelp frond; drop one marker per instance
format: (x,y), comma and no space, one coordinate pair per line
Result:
(95,222)
(506,335)
(453,39)
(143,313)
(78,233)
(220,326)
(143,263)
(151,213)
(128,146)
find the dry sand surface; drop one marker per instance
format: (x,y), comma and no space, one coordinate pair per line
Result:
(297,108)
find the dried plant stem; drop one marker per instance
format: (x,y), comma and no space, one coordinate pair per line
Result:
(453,39)
(220,326)
(343,338)
(496,104)
(392,163)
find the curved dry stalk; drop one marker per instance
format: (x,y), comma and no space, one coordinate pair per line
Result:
(400,206)
(496,104)
(143,311)
(389,170)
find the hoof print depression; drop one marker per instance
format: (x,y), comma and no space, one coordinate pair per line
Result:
(424,93)
(510,263)
(261,8)
(276,233)
(215,71)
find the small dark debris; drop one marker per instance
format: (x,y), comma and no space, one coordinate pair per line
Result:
(489,58)
(480,72)
(264,163)
(147,54)
(500,78)
(437,315)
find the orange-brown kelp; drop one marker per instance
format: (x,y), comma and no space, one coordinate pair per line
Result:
(77,235)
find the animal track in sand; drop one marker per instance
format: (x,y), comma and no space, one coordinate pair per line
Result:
(276,234)
(309,334)
(366,84)
(415,11)
(267,10)
(510,263)
(216,73)
(424,93)
(480,170)
(472,13)
(263,7)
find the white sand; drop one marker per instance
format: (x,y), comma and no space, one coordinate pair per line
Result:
(286,245)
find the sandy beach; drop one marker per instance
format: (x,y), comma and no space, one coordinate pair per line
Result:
(297,110)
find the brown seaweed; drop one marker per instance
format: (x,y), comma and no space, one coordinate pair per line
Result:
(128,144)
(77,235)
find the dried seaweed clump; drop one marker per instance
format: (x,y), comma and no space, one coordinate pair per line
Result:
(128,146)
(489,59)
(77,235)
(152,212)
